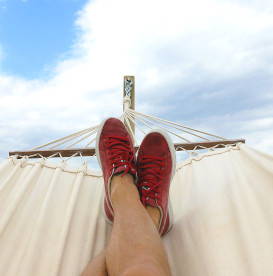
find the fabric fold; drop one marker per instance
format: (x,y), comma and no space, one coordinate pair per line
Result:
(52,220)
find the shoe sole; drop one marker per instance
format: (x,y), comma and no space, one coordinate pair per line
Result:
(97,140)
(98,158)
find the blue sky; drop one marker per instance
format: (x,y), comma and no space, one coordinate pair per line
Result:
(205,63)
(35,34)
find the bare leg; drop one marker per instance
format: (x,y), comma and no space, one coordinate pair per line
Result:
(135,247)
(154,213)
(97,267)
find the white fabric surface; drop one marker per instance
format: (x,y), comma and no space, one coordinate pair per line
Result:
(52,224)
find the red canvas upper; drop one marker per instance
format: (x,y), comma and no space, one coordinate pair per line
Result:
(115,152)
(154,168)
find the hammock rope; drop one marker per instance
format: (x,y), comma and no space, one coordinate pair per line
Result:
(175,124)
(142,124)
(169,125)
(76,134)
(163,128)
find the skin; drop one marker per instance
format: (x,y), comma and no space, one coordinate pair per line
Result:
(135,247)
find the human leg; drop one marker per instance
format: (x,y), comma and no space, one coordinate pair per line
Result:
(97,266)
(142,260)
(135,247)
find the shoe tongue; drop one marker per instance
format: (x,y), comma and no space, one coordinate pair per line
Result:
(119,170)
(123,168)
(151,202)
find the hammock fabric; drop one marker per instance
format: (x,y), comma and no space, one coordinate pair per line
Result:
(52,223)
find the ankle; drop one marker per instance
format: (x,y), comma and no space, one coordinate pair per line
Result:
(154,214)
(123,189)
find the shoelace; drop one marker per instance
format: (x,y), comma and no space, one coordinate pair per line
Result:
(120,153)
(150,177)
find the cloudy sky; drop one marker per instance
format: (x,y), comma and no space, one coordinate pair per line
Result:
(205,63)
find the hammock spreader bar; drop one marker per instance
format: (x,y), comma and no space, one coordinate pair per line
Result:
(91,151)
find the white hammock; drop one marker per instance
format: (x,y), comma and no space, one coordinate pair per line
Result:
(51,219)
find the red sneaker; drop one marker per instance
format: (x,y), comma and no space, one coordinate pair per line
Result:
(115,154)
(155,168)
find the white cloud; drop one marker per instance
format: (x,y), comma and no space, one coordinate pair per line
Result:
(166,44)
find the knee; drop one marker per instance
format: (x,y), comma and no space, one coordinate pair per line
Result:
(144,269)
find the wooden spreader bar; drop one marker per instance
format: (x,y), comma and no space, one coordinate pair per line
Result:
(91,151)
